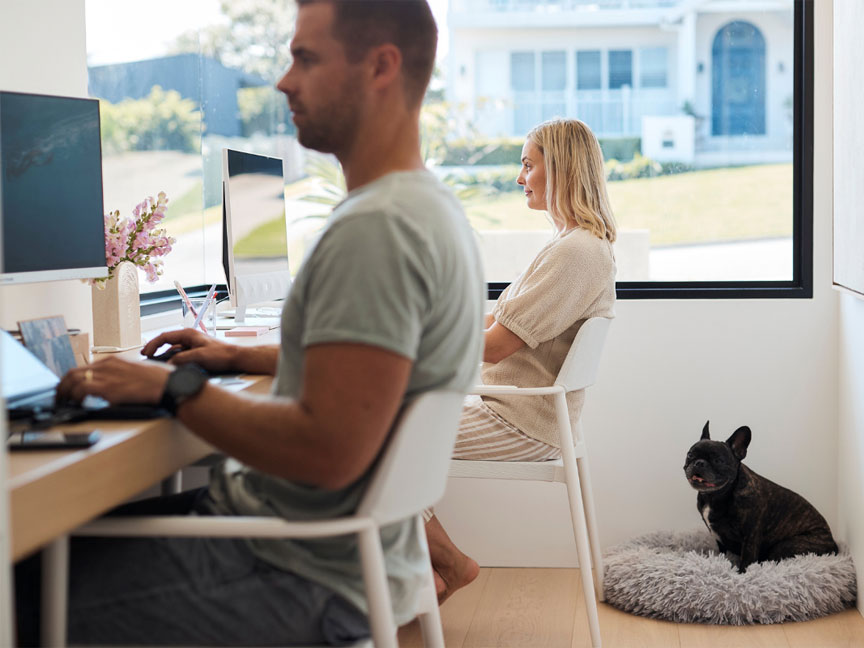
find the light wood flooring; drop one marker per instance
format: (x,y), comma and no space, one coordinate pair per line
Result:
(528,608)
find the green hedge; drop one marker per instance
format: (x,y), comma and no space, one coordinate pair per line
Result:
(508,150)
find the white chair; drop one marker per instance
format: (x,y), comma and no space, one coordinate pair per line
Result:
(410,476)
(578,372)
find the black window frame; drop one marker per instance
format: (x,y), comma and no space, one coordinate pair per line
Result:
(801,284)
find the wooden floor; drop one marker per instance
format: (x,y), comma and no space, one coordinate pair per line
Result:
(527,608)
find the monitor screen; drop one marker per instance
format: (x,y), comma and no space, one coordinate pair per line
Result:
(255,242)
(51,212)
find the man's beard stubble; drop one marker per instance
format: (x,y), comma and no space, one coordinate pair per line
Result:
(330,128)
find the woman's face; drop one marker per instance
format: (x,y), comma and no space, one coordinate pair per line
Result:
(532,177)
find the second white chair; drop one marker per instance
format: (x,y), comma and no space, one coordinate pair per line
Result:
(579,371)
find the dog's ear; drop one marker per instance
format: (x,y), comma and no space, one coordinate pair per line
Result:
(705,434)
(739,441)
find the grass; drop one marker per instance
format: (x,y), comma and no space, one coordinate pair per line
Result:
(729,204)
(736,203)
(267,240)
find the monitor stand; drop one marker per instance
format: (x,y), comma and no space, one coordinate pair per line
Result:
(256,288)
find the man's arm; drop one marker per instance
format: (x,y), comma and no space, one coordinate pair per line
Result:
(216,355)
(328,437)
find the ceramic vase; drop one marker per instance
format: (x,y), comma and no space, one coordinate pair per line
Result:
(117,309)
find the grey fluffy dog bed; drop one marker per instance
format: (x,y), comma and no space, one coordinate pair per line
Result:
(682,577)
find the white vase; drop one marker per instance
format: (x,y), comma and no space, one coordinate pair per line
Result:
(117,309)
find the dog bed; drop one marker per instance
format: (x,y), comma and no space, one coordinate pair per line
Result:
(682,577)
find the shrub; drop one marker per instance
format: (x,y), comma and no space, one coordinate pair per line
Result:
(160,121)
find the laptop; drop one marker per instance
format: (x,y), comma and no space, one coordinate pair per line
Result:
(28,388)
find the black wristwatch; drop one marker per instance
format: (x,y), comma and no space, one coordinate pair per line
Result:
(183,383)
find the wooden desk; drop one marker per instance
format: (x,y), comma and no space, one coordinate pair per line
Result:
(54,492)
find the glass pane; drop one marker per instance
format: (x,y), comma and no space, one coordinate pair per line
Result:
(554,70)
(588,75)
(699,169)
(620,68)
(522,71)
(652,62)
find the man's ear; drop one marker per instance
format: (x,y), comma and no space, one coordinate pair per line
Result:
(739,441)
(705,434)
(386,64)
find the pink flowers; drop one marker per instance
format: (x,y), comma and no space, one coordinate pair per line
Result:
(137,239)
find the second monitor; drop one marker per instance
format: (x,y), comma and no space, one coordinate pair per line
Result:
(254,232)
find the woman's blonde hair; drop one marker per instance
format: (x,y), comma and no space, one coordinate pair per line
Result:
(575,177)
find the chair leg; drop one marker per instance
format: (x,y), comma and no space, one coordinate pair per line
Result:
(580,529)
(55,592)
(427,602)
(591,521)
(377,591)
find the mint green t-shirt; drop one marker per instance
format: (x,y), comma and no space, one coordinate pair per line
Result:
(396,268)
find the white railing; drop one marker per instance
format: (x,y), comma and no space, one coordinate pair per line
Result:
(609,113)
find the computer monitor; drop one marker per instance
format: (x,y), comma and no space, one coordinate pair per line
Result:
(254,232)
(51,212)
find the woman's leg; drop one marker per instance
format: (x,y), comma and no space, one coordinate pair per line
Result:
(483,436)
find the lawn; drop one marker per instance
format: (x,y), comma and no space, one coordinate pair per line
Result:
(735,203)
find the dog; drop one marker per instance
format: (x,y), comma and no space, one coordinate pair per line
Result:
(750,516)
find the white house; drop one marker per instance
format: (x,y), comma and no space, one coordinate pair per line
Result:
(702,81)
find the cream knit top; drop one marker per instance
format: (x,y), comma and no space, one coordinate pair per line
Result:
(570,280)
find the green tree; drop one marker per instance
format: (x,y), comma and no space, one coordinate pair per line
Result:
(254,37)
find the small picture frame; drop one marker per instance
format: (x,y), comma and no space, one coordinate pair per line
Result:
(48,339)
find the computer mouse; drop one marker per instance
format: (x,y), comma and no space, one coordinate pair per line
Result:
(165,356)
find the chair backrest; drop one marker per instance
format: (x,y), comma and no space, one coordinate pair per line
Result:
(580,366)
(411,474)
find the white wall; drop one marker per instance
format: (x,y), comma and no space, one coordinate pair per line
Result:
(849,130)
(43,50)
(670,366)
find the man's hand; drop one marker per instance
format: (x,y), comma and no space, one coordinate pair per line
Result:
(205,351)
(115,380)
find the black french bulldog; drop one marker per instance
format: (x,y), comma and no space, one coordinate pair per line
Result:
(751,517)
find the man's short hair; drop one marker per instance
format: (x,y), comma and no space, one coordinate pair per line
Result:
(408,24)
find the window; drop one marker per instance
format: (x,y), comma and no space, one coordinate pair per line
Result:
(170,105)
(620,69)
(588,76)
(704,120)
(652,64)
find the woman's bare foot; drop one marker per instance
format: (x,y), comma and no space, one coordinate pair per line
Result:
(452,569)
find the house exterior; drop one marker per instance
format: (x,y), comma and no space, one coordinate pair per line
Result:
(212,86)
(701,81)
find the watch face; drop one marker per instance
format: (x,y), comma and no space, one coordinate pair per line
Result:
(186,380)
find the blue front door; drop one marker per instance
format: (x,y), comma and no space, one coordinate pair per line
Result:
(738,100)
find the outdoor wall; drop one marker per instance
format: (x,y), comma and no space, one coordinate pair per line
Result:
(668,367)
(44,56)
(848,128)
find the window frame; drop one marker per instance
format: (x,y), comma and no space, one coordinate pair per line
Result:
(801,284)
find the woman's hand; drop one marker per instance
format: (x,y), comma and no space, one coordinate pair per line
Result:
(194,346)
(115,380)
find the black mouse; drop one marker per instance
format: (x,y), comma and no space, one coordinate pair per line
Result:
(165,356)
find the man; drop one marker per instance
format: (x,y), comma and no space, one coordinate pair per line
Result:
(386,306)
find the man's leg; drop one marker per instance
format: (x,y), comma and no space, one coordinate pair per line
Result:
(186,591)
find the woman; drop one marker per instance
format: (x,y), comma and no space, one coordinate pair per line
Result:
(534,321)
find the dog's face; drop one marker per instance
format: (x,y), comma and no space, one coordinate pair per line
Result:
(712,465)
